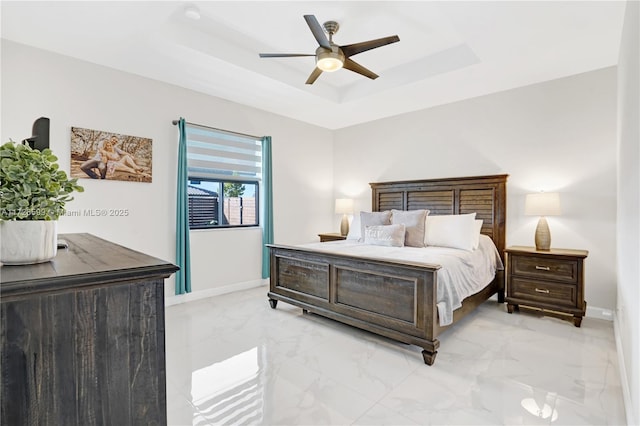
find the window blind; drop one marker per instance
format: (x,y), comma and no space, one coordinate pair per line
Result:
(217,154)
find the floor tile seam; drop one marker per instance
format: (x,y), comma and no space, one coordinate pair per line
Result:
(381,405)
(399,384)
(179,390)
(371,402)
(409,416)
(401,381)
(196,410)
(346,330)
(348,384)
(202,343)
(585,410)
(365,412)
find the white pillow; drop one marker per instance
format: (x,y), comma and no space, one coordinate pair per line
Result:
(477,231)
(456,231)
(354,229)
(385,235)
(414,222)
(373,218)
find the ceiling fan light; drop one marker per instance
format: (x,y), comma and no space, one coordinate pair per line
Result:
(330,61)
(329,64)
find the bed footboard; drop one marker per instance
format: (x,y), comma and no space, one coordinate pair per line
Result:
(392,299)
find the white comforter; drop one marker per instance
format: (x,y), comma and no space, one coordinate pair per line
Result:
(462,272)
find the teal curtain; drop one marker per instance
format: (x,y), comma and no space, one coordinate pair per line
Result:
(267,203)
(183,276)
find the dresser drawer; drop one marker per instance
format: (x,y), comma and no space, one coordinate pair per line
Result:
(544,292)
(545,268)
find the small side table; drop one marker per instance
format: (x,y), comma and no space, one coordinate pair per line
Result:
(551,280)
(331,236)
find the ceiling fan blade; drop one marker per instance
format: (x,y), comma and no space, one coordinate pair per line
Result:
(357,68)
(284,55)
(317,31)
(354,49)
(314,75)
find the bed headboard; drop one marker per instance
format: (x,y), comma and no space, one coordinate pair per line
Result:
(485,195)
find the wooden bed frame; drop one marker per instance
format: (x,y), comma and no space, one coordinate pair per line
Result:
(391,298)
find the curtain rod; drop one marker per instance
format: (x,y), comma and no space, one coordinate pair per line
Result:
(175,123)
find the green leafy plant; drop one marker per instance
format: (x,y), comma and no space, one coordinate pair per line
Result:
(31,185)
(233,189)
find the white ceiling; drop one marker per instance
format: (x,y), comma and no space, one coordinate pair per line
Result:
(448,51)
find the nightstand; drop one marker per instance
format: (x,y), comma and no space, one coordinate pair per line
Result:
(331,236)
(551,281)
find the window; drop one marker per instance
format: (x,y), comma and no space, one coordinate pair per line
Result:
(224,178)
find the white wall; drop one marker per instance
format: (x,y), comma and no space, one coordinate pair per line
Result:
(555,136)
(558,135)
(70,92)
(628,310)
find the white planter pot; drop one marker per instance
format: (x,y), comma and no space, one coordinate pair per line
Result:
(24,242)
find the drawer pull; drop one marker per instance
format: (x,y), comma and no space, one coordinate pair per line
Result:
(543,268)
(542,290)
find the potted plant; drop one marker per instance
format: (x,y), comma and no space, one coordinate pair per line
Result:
(33,193)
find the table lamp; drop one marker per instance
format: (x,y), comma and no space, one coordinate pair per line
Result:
(542,204)
(344,206)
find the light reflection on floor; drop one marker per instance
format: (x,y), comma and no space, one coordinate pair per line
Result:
(233,360)
(228,392)
(541,410)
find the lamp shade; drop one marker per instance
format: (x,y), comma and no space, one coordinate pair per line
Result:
(344,205)
(542,204)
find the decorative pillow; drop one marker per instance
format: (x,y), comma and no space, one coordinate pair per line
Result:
(385,235)
(477,231)
(456,231)
(373,218)
(414,222)
(354,229)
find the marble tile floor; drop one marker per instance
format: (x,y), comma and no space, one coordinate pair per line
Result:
(232,360)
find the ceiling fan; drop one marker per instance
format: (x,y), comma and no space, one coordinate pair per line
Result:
(331,57)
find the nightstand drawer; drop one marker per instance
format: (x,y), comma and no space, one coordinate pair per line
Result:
(543,291)
(545,268)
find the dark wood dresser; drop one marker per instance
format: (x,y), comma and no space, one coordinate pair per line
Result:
(550,280)
(83,337)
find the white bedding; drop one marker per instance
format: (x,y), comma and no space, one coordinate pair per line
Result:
(462,272)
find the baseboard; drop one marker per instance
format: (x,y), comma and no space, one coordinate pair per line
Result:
(626,394)
(600,313)
(217,291)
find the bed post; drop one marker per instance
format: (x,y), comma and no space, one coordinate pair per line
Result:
(273,271)
(429,353)
(500,278)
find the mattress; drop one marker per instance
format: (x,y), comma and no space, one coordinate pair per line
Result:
(462,273)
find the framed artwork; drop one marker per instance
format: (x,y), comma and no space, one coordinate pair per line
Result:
(96,154)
